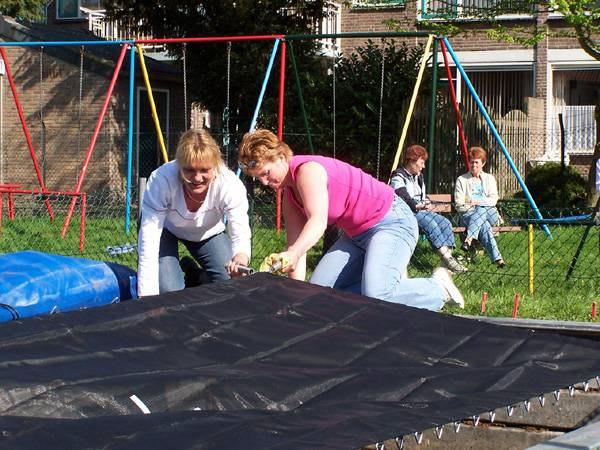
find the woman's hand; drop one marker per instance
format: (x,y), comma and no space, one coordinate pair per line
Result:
(239,259)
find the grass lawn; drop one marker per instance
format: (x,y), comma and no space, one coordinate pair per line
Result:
(554,296)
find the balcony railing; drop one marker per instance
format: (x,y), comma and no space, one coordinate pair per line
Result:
(465,9)
(579,130)
(111,30)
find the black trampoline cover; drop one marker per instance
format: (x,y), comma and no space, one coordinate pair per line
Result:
(264,362)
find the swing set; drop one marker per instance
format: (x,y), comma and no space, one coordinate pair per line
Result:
(280,43)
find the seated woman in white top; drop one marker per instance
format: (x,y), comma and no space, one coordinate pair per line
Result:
(475,197)
(187,200)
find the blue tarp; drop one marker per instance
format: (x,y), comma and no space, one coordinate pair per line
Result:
(35,283)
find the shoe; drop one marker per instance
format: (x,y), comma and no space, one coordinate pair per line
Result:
(500,263)
(453,265)
(466,247)
(453,295)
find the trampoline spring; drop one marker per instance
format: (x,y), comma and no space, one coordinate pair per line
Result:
(399,442)
(571,391)
(598,381)
(492,416)
(418,437)
(557,395)
(380,446)
(527,405)
(542,400)
(509,410)
(475,420)
(586,386)
(439,431)
(457,426)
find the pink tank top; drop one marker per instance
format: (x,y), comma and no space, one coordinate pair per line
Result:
(357,201)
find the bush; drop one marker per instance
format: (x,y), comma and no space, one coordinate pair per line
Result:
(549,189)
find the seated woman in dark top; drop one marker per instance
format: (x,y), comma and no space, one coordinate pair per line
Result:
(408,183)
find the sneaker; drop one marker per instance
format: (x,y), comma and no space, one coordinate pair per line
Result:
(453,295)
(500,263)
(453,265)
(466,247)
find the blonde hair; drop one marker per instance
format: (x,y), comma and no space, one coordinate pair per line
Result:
(261,146)
(198,146)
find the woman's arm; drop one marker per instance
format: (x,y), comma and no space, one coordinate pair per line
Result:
(238,223)
(304,230)
(491,190)
(460,201)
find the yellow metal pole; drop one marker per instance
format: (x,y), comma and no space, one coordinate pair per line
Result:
(413,100)
(530,256)
(161,141)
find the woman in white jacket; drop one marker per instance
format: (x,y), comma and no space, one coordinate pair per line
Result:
(475,198)
(187,200)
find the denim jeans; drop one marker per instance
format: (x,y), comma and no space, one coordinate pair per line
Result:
(373,262)
(437,228)
(479,222)
(212,254)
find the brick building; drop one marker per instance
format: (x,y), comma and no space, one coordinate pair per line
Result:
(62,90)
(555,77)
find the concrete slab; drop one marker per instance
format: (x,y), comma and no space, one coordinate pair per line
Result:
(585,438)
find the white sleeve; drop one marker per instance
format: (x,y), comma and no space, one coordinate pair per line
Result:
(492,195)
(235,200)
(157,199)
(397,182)
(598,176)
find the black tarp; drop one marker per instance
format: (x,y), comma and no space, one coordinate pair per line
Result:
(265,362)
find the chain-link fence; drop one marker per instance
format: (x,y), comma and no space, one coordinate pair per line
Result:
(552,263)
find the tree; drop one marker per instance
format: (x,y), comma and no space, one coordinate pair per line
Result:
(23,9)
(207,63)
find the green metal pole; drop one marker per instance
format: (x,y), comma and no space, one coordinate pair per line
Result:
(431,138)
(301,99)
(295,37)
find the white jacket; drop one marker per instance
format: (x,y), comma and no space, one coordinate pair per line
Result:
(463,191)
(164,206)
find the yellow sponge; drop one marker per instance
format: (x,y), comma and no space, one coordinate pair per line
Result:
(274,263)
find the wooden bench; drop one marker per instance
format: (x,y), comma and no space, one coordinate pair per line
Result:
(442,203)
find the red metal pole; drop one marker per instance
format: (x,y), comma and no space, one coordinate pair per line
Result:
(271,37)
(25,130)
(594,311)
(515,310)
(280,127)
(90,149)
(484,296)
(461,133)
(82,223)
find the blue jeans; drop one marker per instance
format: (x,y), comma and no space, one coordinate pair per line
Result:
(373,262)
(437,228)
(479,222)
(212,254)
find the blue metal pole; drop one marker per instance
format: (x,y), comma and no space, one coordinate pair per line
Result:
(264,85)
(490,123)
(130,139)
(62,43)
(262,92)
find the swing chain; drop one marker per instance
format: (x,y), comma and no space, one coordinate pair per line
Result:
(380,109)
(185,99)
(41,112)
(334,99)
(225,118)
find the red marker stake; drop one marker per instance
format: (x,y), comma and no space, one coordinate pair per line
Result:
(594,311)
(515,307)
(483,302)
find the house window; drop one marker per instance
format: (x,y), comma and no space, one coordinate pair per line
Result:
(67,9)
(453,9)
(372,4)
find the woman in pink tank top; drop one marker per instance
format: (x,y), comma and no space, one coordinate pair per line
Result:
(379,229)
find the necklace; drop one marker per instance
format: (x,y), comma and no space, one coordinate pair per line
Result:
(198,202)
